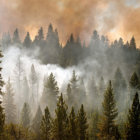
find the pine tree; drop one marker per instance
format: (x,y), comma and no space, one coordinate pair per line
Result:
(2,120)
(69,94)
(46,125)
(60,123)
(2,115)
(132,43)
(40,34)
(16,38)
(74,89)
(34,86)
(50,93)
(25,90)
(133,124)
(37,121)
(25,115)
(134,81)
(92,93)
(82,124)
(82,92)
(73,134)
(119,84)
(108,129)
(27,41)
(134,84)
(1,81)
(10,107)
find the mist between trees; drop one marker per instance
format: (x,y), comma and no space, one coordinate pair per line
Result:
(63,92)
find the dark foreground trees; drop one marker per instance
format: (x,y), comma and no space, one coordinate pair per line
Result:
(133,123)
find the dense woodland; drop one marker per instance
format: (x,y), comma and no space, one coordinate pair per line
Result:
(101,104)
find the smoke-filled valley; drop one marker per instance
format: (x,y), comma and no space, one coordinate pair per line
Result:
(75,91)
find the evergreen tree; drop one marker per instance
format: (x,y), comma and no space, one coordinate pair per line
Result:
(92,93)
(50,93)
(40,34)
(134,84)
(10,107)
(82,92)
(27,41)
(37,123)
(2,120)
(108,128)
(25,90)
(69,94)
(134,81)
(60,123)
(16,38)
(133,124)
(6,40)
(25,115)
(1,81)
(46,125)
(2,115)
(74,89)
(119,85)
(34,86)
(132,43)
(73,134)
(82,124)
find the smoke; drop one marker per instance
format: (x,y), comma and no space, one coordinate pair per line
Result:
(113,18)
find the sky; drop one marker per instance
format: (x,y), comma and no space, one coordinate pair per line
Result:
(113,18)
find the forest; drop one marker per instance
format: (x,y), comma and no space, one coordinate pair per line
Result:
(77,90)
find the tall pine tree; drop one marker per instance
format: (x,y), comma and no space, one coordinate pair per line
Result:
(133,124)
(82,124)
(10,107)
(25,115)
(46,124)
(108,128)
(60,123)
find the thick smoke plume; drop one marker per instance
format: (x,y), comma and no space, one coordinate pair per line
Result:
(113,18)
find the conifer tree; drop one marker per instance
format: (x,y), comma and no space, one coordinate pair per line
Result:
(1,80)
(74,89)
(132,43)
(2,120)
(25,90)
(2,115)
(73,134)
(16,38)
(69,94)
(27,41)
(50,93)
(134,81)
(133,124)
(60,123)
(40,34)
(82,124)
(10,107)
(92,93)
(119,84)
(34,86)
(108,129)
(134,84)
(25,115)
(37,121)
(46,125)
